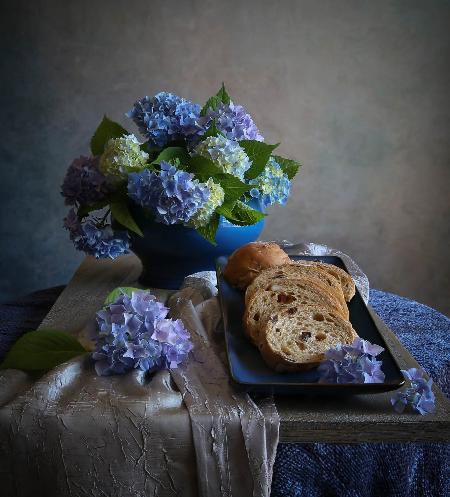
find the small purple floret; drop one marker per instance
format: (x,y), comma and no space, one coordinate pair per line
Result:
(234,122)
(84,184)
(101,242)
(418,394)
(353,363)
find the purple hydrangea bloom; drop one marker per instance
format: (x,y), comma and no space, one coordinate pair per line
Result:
(418,394)
(353,363)
(133,333)
(172,195)
(234,122)
(166,117)
(84,184)
(101,242)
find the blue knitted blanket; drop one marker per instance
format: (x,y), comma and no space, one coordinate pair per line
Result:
(325,470)
(381,469)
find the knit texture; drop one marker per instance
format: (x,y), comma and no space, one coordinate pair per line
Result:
(371,470)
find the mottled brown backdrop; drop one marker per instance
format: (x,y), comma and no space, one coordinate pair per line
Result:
(358,91)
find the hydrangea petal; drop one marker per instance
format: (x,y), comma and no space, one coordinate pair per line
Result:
(351,364)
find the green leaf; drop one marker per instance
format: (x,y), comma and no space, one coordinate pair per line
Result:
(209,231)
(258,153)
(211,103)
(289,166)
(127,290)
(203,168)
(106,130)
(118,196)
(170,154)
(42,350)
(221,97)
(226,209)
(121,213)
(240,213)
(233,187)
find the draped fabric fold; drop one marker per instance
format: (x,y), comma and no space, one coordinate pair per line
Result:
(235,439)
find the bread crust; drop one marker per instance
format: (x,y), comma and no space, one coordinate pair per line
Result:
(328,283)
(248,261)
(347,283)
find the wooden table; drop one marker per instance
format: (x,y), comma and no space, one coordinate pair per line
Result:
(359,418)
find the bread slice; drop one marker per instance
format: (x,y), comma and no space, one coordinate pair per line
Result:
(296,341)
(288,293)
(329,284)
(347,283)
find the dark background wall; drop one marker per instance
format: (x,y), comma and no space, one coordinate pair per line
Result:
(359,91)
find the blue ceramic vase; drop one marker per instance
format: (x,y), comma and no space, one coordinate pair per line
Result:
(170,253)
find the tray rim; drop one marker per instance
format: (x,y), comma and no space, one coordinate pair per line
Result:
(335,387)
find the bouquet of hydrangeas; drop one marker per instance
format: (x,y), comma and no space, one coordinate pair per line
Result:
(195,165)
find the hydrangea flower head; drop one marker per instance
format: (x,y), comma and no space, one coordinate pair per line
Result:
(418,394)
(353,363)
(234,122)
(133,333)
(101,242)
(166,117)
(172,195)
(272,185)
(122,156)
(204,213)
(84,184)
(225,153)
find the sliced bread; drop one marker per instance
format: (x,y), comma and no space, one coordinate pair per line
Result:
(287,293)
(327,282)
(347,283)
(296,341)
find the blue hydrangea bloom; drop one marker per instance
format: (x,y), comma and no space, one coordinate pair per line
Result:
(101,242)
(272,185)
(353,363)
(225,153)
(418,394)
(171,195)
(133,333)
(166,117)
(234,122)
(84,184)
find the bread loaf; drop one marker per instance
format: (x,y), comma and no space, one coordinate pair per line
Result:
(247,262)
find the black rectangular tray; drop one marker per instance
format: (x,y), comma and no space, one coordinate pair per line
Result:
(248,369)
